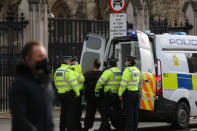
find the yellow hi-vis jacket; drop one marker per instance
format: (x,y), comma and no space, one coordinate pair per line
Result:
(80,79)
(77,68)
(65,80)
(130,80)
(110,79)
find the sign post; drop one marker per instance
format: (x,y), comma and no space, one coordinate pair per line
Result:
(118,24)
(117,6)
(118,20)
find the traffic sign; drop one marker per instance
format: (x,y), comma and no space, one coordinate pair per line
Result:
(117,6)
(118,24)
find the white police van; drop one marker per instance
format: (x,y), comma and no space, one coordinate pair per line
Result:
(169,67)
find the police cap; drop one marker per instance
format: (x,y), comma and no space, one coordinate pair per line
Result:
(112,60)
(131,58)
(67,57)
(74,58)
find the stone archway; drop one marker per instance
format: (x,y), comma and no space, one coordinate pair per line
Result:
(60,9)
(146,15)
(172,16)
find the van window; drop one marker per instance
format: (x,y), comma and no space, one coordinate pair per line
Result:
(174,62)
(94,43)
(121,50)
(112,52)
(192,62)
(130,49)
(88,59)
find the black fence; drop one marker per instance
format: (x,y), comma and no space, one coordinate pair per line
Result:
(66,37)
(160,27)
(11,43)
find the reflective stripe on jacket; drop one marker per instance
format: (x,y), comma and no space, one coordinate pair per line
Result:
(65,80)
(80,79)
(130,80)
(110,79)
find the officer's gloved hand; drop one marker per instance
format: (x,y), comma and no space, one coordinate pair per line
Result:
(97,94)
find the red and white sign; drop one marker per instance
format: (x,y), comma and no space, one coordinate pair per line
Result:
(117,6)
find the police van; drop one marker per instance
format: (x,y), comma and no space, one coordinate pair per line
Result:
(168,91)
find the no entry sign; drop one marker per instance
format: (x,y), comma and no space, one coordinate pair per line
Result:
(117,6)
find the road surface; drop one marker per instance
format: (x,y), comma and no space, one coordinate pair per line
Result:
(5,125)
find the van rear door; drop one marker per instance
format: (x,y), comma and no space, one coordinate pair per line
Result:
(93,48)
(128,48)
(148,82)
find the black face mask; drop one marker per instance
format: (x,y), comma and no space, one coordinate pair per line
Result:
(41,66)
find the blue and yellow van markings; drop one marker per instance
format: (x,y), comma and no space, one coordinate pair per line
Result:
(185,81)
(179,81)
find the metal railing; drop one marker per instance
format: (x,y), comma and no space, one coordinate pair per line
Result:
(11,43)
(160,27)
(66,37)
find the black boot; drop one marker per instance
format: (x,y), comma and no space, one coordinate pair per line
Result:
(62,129)
(84,129)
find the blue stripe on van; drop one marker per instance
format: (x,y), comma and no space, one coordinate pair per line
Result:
(185,81)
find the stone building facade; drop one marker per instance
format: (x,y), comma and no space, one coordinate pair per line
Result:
(190,11)
(138,14)
(35,12)
(139,11)
(81,9)
(4,4)
(167,9)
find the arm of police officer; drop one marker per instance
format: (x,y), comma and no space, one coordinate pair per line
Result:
(81,81)
(126,76)
(73,82)
(102,80)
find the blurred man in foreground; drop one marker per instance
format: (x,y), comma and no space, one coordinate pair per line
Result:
(31,94)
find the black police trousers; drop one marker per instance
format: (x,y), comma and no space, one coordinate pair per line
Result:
(69,112)
(91,107)
(131,107)
(79,112)
(111,110)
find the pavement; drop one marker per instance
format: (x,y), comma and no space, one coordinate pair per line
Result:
(5,123)
(7,115)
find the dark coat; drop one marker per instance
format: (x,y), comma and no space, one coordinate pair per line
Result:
(31,101)
(91,78)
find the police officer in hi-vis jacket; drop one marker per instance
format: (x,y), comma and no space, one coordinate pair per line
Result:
(110,80)
(128,92)
(68,88)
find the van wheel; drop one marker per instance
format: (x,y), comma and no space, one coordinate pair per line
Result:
(182,116)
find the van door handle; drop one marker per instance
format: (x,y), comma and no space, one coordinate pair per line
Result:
(147,81)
